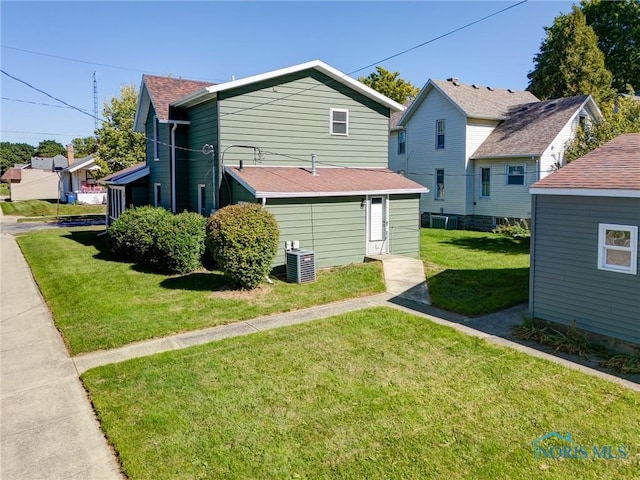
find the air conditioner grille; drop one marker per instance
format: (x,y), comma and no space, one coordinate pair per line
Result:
(301,266)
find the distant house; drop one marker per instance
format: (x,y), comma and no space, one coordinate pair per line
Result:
(479,148)
(584,244)
(253,140)
(37,181)
(79,180)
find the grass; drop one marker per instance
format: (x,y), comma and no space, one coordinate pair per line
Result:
(4,189)
(99,303)
(45,208)
(474,273)
(373,394)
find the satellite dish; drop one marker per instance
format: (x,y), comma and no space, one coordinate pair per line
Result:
(208,149)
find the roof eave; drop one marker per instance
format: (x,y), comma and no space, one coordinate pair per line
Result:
(142,110)
(210,92)
(586,192)
(398,191)
(508,155)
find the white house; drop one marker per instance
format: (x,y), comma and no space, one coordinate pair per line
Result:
(479,148)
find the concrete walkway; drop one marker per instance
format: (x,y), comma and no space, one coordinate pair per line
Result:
(404,277)
(48,429)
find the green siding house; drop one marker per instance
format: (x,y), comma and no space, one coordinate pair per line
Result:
(307,142)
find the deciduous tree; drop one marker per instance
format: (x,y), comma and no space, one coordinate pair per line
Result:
(50,148)
(84,146)
(12,153)
(390,84)
(118,145)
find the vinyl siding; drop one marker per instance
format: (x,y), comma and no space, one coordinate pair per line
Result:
(556,150)
(404,225)
(332,227)
(159,171)
(290,116)
(505,200)
(202,130)
(565,284)
(423,158)
(397,161)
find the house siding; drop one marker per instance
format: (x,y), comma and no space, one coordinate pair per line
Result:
(565,283)
(512,201)
(159,171)
(202,130)
(298,123)
(422,158)
(555,152)
(317,223)
(404,225)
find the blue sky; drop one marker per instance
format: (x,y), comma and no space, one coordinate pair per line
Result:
(212,41)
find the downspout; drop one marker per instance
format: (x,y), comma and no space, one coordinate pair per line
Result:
(173,167)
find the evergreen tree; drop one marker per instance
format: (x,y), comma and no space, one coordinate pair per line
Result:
(570,62)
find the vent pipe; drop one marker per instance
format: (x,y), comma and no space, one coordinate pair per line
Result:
(313,164)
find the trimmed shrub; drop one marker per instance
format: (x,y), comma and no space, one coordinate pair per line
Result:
(133,235)
(180,243)
(243,240)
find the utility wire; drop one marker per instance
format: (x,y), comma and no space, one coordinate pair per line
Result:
(38,103)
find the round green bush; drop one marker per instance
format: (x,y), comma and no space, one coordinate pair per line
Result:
(243,240)
(133,235)
(180,243)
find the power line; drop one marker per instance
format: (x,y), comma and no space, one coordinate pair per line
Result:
(38,103)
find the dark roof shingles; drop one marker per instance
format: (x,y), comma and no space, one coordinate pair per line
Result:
(165,90)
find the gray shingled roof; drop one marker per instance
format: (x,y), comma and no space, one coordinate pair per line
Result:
(530,128)
(44,163)
(396,116)
(484,102)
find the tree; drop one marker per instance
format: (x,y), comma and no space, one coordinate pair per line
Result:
(118,145)
(617,25)
(570,62)
(12,153)
(50,148)
(390,84)
(85,146)
(623,118)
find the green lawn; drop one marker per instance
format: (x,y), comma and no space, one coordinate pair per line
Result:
(99,303)
(474,272)
(374,394)
(4,189)
(44,208)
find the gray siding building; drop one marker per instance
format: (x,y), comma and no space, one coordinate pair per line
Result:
(584,251)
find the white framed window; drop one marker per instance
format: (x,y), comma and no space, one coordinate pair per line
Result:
(618,248)
(439,184)
(402,142)
(157,194)
(485,182)
(515,174)
(440,130)
(339,121)
(156,138)
(202,200)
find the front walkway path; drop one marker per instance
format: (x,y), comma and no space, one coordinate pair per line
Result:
(404,277)
(48,428)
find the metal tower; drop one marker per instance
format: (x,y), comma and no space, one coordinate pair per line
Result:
(95,100)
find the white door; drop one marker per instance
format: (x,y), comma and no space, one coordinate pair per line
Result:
(377,225)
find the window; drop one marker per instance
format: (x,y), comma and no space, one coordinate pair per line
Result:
(202,200)
(485,182)
(156,138)
(515,174)
(339,122)
(618,248)
(582,121)
(439,134)
(402,142)
(157,194)
(439,183)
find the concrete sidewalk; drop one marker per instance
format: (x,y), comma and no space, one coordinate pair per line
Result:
(48,427)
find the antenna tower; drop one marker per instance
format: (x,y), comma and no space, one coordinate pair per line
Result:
(95,100)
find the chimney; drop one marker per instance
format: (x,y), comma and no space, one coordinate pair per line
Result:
(70,154)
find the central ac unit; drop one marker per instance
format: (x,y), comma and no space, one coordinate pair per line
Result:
(301,266)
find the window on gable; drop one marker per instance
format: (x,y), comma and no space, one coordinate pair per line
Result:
(618,248)
(485,182)
(439,183)
(402,142)
(339,121)
(156,138)
(157,194)
(582,121)
(440,134)
(515,174)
